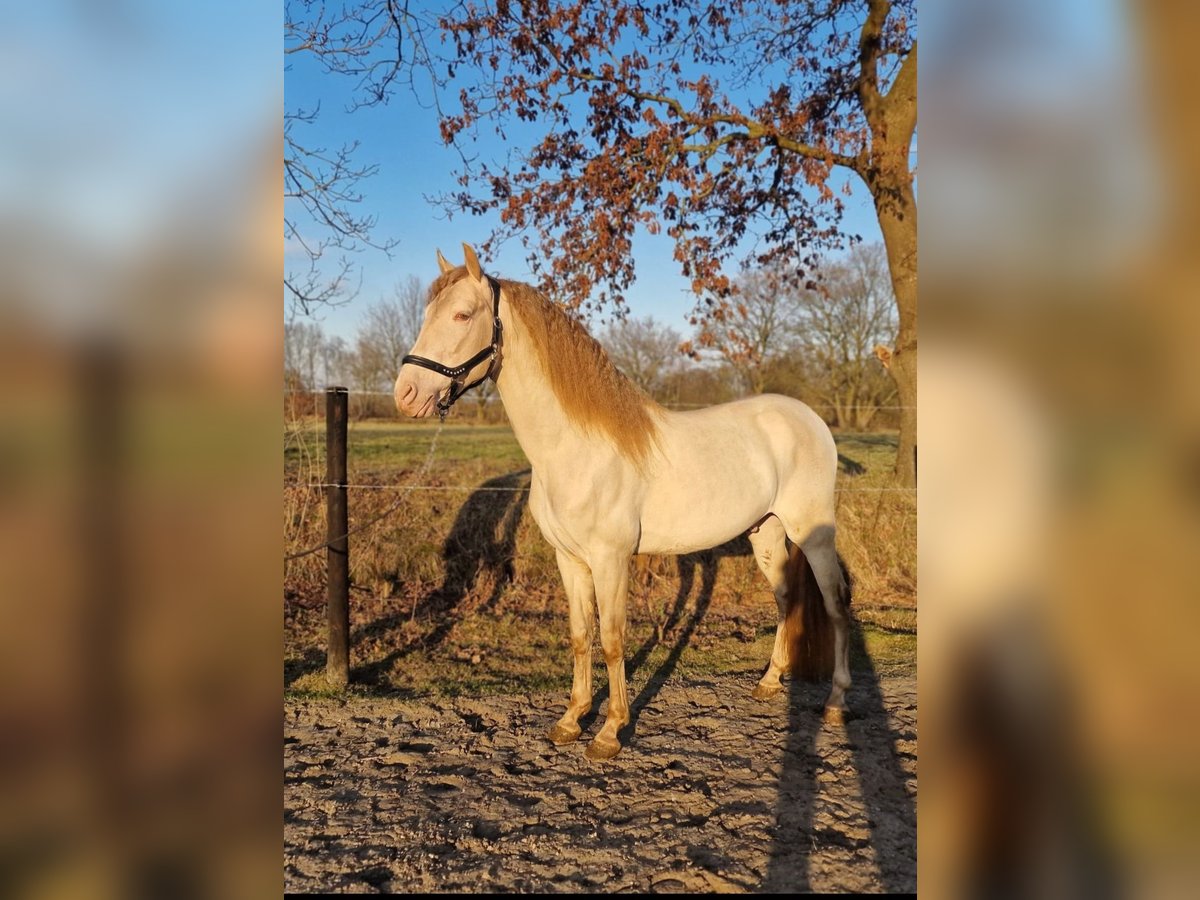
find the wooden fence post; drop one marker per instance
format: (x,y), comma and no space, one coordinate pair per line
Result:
(337,654)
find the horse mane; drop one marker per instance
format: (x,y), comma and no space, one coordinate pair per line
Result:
(594,393)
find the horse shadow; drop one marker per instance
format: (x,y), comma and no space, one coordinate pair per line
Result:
(849,465)
(890,810)
(481,541)
(889,807)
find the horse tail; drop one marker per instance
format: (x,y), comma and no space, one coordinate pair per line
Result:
(808,629)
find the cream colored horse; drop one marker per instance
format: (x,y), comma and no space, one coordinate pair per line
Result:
(615,474)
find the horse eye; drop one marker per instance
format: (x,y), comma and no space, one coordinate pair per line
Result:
(461,317)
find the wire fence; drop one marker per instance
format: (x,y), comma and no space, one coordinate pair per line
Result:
(493,398)
(517,490)
(337,487)
(405,489)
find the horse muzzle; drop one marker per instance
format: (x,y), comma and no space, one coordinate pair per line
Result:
(415,400)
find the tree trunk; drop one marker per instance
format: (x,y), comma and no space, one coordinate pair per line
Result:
(892,118)
(897,210)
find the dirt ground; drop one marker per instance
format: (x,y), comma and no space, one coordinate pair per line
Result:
(713,792)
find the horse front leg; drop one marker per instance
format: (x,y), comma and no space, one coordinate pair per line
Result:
(577,579)
(611,580)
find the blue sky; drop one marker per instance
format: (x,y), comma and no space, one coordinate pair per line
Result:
(402,138)
(111,111)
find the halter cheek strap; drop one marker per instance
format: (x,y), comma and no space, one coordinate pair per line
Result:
(457,389)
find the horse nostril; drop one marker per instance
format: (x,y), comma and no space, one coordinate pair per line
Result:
(404,394)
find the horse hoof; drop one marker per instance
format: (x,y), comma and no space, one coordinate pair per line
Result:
(834,715)
(561,734)
(765,692)
(600,748)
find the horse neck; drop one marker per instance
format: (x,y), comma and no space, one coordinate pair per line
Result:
(538,419)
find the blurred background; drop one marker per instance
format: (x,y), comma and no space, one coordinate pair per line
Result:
(140,346)
(141,343)
(1058,446)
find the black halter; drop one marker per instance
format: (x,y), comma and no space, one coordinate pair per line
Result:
(457,372)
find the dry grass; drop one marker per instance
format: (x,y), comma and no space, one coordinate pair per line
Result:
(877,533)
(456,591)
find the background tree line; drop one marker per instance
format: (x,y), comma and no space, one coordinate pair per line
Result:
(810,338)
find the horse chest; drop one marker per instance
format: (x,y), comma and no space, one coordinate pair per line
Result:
(581,514)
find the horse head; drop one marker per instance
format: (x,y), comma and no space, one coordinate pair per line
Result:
(458,343)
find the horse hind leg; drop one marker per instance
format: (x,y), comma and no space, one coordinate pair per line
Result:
(769,541)
(820,549)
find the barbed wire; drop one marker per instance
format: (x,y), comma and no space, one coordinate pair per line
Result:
(405,489)
(518,490)
(494,399)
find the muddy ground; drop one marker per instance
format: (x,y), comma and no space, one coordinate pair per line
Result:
(714,792)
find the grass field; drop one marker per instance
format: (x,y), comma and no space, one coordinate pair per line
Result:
(454,591)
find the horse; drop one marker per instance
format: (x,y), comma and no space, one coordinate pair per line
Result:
(614,474)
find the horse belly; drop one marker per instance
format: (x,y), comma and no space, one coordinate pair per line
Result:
(719,477)
(690,517)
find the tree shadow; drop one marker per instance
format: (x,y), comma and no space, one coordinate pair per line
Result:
(313,660)
(891,813)
(481,542)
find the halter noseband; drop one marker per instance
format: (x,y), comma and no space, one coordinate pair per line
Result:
(457,372)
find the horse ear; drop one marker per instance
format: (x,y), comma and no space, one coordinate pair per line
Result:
(443,264)
(472,262)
